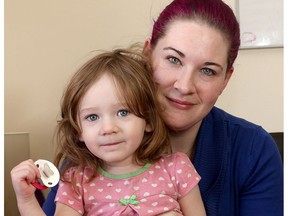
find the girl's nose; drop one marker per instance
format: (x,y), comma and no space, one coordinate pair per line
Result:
(185,83)
(108,126)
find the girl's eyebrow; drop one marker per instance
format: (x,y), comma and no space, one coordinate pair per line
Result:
(85,110)
(175,50)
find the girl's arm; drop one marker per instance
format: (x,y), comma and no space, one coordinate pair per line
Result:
(192,203)
(62,210)
(22,176)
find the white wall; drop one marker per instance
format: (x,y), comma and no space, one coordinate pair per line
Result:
(45,41)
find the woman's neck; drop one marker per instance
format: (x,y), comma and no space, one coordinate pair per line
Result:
(184,141)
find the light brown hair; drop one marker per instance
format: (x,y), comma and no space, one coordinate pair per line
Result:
(132,73)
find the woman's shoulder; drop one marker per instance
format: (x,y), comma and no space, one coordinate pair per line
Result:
(232,124)
(244,138)
(219,115)
(238,134)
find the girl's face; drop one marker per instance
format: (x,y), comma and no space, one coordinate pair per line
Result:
(189,65)
(109,130)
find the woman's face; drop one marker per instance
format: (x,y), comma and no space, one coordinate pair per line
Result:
(189,64)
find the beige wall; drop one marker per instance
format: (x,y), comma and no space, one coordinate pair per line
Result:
(16,149)
(45,41)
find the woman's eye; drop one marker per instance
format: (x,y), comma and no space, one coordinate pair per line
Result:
(208,71)
(174,60)
(123,113)
(92,117)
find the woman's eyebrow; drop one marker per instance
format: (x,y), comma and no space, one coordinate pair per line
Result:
(183,55)
(213,64)
(175,50)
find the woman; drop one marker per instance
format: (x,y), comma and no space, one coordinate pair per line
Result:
(192,49)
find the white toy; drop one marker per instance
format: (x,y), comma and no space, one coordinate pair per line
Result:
(49,174)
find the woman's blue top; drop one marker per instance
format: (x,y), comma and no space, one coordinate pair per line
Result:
(240,167)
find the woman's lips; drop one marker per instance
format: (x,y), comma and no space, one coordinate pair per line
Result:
(179,104)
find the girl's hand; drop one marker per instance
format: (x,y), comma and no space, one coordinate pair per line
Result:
(22,176)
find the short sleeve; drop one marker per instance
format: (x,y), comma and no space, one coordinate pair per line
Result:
(69,195)
(185,173)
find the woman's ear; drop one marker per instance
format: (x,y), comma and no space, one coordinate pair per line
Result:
(229,73)
(227,78)
(146,48)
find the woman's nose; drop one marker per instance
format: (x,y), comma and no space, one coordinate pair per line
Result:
(108,126)
(185,83)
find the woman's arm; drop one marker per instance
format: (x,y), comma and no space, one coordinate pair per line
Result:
(192,204)
(49,206)
(262,191)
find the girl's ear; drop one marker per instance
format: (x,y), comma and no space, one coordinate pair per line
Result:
(148,128)
(81,138)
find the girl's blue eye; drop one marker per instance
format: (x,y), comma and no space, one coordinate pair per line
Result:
(92,117)
(174,60)
(123,113)
(208,71)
